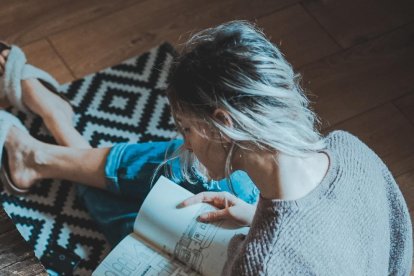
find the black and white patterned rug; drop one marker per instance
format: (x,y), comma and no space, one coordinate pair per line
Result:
(123,103)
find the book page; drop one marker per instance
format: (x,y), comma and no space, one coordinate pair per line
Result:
(203,246)
(134,257)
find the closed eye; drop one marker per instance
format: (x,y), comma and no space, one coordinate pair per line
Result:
(183,130)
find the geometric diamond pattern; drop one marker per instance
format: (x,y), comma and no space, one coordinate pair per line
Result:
(123,103)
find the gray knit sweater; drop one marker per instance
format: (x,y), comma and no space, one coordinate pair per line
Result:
(355,222)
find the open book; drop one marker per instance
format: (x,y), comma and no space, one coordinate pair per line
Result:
(170,241)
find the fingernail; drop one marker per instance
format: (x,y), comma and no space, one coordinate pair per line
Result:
(180,205)
(202,218)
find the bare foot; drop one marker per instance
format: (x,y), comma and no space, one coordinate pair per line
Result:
(24,158)
(31,160)
(57,114)
(39,99)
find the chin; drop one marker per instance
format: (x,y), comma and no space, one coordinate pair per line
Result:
(217,177)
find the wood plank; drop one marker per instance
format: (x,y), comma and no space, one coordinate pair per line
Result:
(30,266)
(94,46)
(298,35)
(25,21)
(355,21)
(365,76)
(42,55)
(5,223)
(388,133)
(16,256)
(13,248)
(406,105)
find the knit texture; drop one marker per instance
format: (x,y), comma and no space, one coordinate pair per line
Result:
(355,222)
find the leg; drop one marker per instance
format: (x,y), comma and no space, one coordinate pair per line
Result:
(126,170)
(31,160)
(56,113)
(131,177)
(129,171)
(131,168)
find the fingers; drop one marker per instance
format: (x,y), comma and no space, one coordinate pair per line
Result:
(230,207)
(218,199)
(198,198)
(214,216)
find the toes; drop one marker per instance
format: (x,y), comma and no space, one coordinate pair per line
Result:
(3,58)
(5,53)
(2,64)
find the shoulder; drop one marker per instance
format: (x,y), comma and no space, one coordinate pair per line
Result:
(341,138)
(355,158)
(348,147)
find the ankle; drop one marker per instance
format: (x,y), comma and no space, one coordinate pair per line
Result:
(11,137)
(30,149)
(40,160)
(25,157)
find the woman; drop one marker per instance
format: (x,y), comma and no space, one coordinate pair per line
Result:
(328,205)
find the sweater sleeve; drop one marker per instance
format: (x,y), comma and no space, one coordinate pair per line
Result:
(233,251)
(401,247)
(401,250)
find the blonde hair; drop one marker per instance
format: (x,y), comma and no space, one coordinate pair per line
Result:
(236,68)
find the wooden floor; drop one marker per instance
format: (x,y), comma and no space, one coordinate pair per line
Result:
(16,255)
(356,56)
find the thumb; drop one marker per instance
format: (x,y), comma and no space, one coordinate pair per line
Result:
(214,215)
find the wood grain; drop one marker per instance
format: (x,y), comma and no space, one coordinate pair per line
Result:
(94,45)
(29,266)
(5,223)
(16,256)
(406,105)
(355,21)
(365,76)
(42,55)
(25,21)
(388,133)
(298,35)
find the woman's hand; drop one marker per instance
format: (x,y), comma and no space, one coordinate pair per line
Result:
(230,207)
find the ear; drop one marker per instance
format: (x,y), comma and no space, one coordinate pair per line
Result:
(223,116)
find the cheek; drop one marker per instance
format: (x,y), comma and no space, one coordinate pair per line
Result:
(214,159)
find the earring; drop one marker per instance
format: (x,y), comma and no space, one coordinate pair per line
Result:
(222,140)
